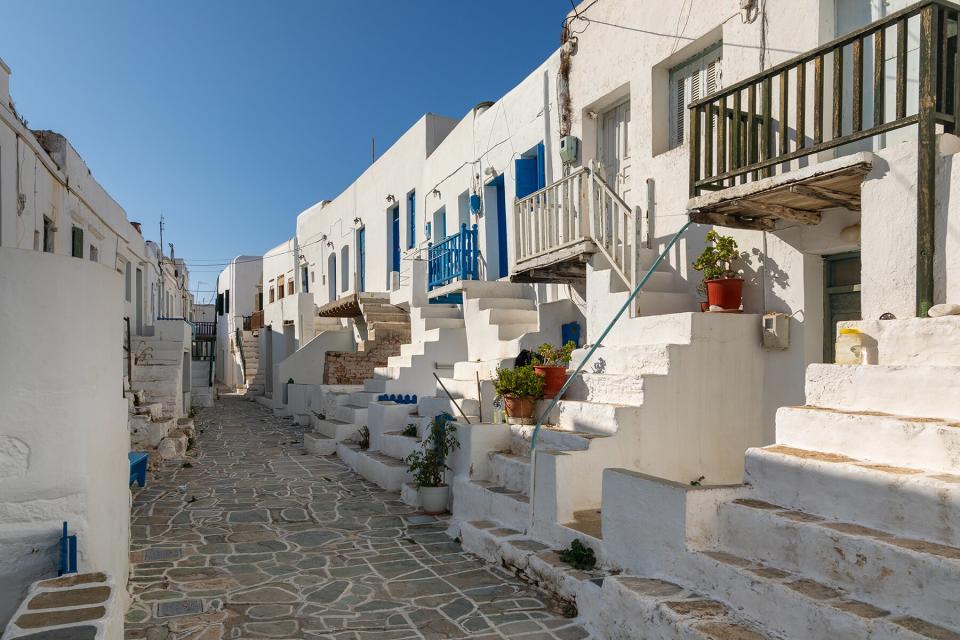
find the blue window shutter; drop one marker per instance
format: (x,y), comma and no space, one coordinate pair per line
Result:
(541,167)
(411,220)
(525,170)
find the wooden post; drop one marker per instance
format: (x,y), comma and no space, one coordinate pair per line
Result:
(926,158)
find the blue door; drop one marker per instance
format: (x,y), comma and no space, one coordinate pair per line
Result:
(395,263)
(362,258)
(531,172)
(411,219)
(501,226)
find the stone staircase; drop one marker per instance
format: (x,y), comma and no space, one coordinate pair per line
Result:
(848,526)
(383,331)
(255,378)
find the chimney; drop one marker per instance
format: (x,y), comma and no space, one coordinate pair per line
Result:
(136,225)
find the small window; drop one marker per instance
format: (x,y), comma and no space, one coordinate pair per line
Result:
(273,295)
(95,254)
(219,304)
(696,78)
(226,301)
(77,246)
(48,234)
(280,288)
(128,281)
(305,279)
(290,287)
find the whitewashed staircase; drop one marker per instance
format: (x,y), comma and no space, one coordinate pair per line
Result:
(851,526)
(254,375)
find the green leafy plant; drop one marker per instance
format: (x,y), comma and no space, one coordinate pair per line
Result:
(579,556)
(698,482)
(718,258)
(551,356)
(410,430)
(520,382)
(429,464)
(290,381)
(363,438)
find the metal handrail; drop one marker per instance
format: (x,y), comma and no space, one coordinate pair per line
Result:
(596,345)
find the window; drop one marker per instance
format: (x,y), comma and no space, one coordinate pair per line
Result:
(411,219)
(290,286)
(344,268)
(48,234)
(219,304)
(95,254)
(127,280)
(280,287)
(77,247)
(226,301)
(272,295)
(690,81)
(305,279)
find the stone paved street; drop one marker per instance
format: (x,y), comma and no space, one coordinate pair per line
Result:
(257,539)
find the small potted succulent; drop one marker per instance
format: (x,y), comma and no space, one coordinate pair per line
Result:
(429,464)
(520,389)
(721,283)
(552,366)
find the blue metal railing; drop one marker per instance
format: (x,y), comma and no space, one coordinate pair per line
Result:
(583,363)
(453,258)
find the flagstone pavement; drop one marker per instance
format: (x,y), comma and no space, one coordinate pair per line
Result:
(255,538)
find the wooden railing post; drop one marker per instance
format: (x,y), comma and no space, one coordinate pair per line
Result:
(926,157)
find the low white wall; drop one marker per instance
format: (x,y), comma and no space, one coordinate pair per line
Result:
(63,437)
(305,366)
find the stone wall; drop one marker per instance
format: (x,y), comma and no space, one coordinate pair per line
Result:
(341,367)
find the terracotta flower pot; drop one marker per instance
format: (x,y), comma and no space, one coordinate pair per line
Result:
(554,377)
(726,293)
(520,410)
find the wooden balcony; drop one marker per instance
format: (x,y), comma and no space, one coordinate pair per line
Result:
(742,139)
(558,228)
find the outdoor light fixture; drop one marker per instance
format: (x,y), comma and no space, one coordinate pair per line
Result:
(436,192)
(490,171)
(391,198)
(357,220)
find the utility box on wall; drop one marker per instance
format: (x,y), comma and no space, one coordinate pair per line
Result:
(569,148)
(776,331)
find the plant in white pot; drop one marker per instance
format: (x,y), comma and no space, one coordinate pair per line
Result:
(429,464)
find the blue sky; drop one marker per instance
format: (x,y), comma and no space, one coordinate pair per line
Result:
(230,117)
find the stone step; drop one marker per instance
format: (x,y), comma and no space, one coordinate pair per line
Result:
(653,608)
(909,575)
(351,413)
(606,388)
(479,499)
(792,605)
(487,369)
(506,303)
(513,331)
(587,522)
(625,360)
(444,323)
(398,446)
(501,315)
(511,471)
(905,390)
(434,406)
(921,443)
(363,398)
(439,311)
(375,385)
(593,417)
(549,439)
(411,349)
(904,501)
(479,289)
(337,430)
(349,453)
(389,473)
(319,444)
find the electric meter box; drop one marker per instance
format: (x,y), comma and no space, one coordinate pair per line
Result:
(776,331)
(569,148)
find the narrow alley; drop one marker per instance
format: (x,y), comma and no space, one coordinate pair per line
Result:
(254,538)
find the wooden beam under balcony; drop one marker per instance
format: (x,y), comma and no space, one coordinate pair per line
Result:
(800,196)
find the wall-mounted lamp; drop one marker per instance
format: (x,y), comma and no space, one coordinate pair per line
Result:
(391,198)
(329,245)
(593,115)
(490,172)
(436,192)
(357,220)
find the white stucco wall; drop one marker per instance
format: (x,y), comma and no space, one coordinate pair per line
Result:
(63,438)
(242,277)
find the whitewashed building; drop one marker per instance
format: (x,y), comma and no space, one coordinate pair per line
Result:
(83,302)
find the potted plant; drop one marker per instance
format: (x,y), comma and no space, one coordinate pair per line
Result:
(721,283)
(552,366)
(520,389)
(429,464)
